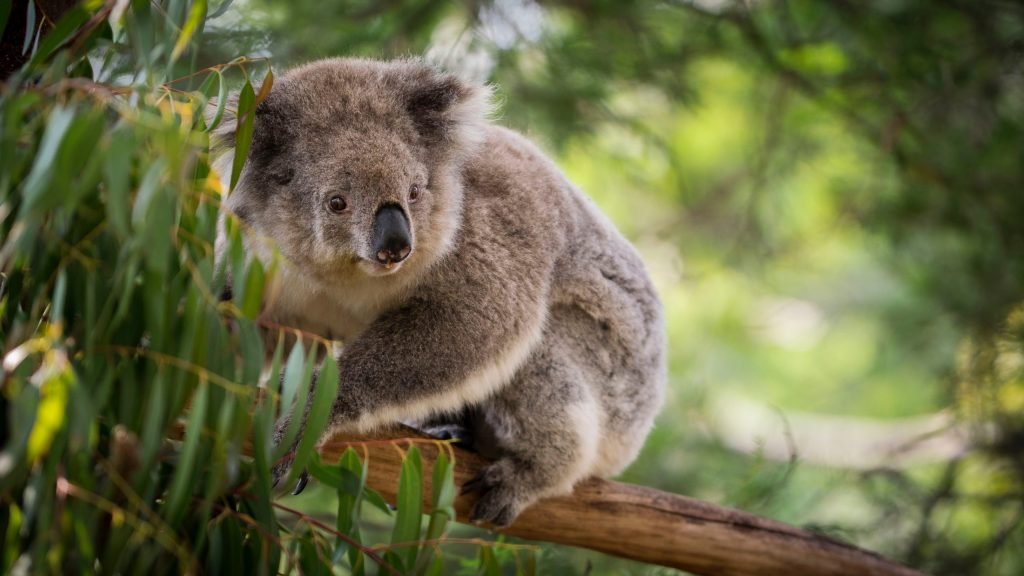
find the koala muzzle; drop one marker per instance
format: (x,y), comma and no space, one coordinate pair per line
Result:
(392,241)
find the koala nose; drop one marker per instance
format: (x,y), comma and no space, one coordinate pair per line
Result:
(392,241)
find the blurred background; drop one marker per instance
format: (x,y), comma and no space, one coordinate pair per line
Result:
(830,197)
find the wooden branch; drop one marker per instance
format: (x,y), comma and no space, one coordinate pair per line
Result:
(635,522)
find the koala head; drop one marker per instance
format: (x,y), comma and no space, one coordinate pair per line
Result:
(354,167)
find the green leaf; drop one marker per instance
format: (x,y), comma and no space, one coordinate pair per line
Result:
(220,9)
(292,375)
(489,565)
(435,567)
(530,568)
(443,505)
(312,558)
(147,191)
(303,382)
(66,27)
(324,396)
(263,425)
(410,507)
(251,348)
(222,98)
(327,475)
(196,17)
(181,485)
(373,497)
(42,169)
(30,27)
(117,163)
(60,292)
(243,135)
(252,294)
(352,482)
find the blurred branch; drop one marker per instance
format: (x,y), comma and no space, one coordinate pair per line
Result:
(837,441)
(634,522)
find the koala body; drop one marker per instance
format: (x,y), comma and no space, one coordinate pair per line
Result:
(466,278)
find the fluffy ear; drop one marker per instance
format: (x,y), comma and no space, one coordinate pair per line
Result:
(447,110)
(223,136)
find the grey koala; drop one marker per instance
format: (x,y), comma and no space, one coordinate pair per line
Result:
(466,279)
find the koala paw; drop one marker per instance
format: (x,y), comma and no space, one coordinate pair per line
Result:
(502,494)
(280,471)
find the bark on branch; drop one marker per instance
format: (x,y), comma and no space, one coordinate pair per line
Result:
(636,522)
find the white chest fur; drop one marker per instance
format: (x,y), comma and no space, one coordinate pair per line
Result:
(294,301)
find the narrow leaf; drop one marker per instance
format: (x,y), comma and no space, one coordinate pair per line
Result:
(243,135)
(181,485)
(68,25)
(292,375)
(220,9)
(222,98)
(195,17)
(410,507)
(30,27)
(268,83)
(117,169)
(324,396)
(42,169)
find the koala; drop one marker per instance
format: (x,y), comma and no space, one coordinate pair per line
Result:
(466,280)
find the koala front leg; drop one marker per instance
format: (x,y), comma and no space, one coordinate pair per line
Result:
(431,355)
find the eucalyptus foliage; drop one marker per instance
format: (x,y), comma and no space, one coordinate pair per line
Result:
(136,428)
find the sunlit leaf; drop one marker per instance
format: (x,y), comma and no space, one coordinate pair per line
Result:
(196,16)
(55,378)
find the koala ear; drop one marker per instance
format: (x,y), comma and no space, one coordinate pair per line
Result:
(447,110)
(223,136)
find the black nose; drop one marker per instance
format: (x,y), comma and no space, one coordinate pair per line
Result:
(391,239)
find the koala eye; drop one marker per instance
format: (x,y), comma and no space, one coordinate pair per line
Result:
(337,204)
(414,193)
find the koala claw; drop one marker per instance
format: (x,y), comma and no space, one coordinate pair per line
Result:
(279,473)
(500,501)
(301,484)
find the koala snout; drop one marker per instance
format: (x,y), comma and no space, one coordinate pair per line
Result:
(392,241)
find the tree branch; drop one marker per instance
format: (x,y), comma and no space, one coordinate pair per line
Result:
(635,522)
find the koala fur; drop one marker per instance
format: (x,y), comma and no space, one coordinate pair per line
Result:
(519,311)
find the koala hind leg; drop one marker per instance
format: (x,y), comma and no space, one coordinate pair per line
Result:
(545,427)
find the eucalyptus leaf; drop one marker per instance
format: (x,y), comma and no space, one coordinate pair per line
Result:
(409,518)
(245,117)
